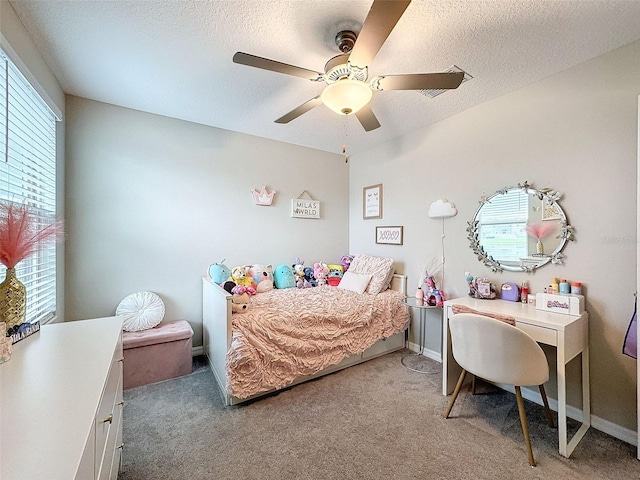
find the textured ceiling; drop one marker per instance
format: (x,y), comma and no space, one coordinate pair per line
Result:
(174,58)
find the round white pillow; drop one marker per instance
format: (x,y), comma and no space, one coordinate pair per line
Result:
(141,311)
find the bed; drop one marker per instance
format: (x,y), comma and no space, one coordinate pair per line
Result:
(289,336)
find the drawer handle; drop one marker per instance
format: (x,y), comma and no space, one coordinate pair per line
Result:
(121,403)
(121,360)
(121,446)
(109,419)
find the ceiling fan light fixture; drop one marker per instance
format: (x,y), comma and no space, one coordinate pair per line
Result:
(346,96)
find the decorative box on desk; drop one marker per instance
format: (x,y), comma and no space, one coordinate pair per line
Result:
(560,303)
(157,354)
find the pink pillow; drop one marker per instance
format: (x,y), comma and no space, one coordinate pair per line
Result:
(380,269)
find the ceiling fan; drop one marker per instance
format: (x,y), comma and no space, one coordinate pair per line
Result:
(347,91)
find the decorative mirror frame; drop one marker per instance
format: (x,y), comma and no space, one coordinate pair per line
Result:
(556,257)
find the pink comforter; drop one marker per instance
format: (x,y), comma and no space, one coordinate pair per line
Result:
(290,333)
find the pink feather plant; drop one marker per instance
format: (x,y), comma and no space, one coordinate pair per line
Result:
(21,234)
(540,230)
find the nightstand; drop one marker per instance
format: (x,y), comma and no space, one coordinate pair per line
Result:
(422,309)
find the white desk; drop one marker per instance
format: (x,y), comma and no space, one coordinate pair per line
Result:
(568,333)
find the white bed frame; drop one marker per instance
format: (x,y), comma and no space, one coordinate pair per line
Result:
(216,337)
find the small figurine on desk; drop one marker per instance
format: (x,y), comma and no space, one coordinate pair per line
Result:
(480,287)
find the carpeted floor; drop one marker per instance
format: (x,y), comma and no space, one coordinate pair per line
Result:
(377,420)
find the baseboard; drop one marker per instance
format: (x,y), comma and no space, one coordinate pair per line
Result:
(621,433)
(610,428)
(197,351)
(432,354)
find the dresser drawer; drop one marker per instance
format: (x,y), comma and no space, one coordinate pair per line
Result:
(108,418)
(547,336)
(394,342)
(111,460)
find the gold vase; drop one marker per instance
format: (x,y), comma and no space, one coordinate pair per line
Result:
(13,300)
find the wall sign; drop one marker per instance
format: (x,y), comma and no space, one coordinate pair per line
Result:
(305,207)
(389,235)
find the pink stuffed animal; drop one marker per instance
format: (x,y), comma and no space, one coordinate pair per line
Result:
(320,271)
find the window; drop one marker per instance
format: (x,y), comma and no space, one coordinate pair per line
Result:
(504,218)
(28,175)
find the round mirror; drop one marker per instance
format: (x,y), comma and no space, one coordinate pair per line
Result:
(520,229)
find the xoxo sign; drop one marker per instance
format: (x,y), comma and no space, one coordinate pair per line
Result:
(389,235)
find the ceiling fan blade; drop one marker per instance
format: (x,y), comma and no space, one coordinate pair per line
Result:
(382,17)
(367,119)
(418,81)
(304,108)
(266,64)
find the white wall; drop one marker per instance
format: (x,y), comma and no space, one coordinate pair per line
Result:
(152,201)
(575,132)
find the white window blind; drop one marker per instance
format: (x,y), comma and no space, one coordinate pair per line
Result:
(28,175)
(502,232)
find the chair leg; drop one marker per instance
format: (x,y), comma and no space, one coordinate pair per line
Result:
(525,426)
(546,406)
(456,391)
(473,385)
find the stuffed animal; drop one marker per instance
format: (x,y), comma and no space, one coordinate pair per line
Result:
(228,286)
(320,271)
(240,275)
(219,272)
(265,286)
(283,277)
(240,302)
(345,261)
(309,276)
(335,274)
(240,289)
(298,272)
(261,274)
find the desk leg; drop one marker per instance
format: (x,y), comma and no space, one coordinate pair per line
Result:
(586,389)
(450,368)
(567,447)
(562,396)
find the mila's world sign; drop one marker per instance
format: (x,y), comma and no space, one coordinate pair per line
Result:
(303,208)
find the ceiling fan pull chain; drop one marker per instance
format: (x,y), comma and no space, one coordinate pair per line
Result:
(346,135)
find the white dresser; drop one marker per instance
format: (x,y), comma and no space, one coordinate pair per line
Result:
(61,403)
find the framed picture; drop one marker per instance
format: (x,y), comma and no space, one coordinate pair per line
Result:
(389,235)
(550,211)
(372,201)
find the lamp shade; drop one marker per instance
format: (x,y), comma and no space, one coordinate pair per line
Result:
(346,96)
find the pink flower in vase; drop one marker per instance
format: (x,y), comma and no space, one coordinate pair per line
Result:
(539,231)
(21,232)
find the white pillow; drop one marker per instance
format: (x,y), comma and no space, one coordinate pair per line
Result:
(380,269)
(356,282)
(141,311)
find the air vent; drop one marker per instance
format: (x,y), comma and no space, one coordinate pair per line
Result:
(434,93)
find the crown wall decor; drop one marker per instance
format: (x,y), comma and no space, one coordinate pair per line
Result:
(263,197)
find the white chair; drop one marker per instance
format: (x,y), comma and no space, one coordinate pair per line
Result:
(501,353)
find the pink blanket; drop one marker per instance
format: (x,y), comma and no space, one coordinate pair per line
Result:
(290,333)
